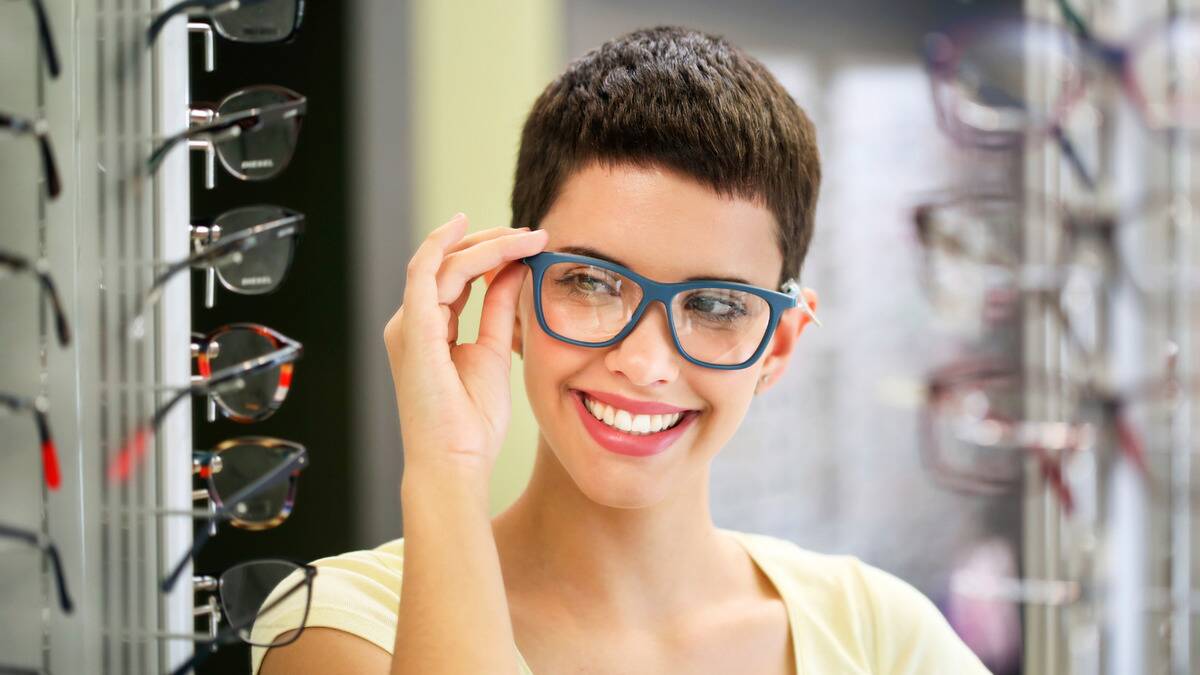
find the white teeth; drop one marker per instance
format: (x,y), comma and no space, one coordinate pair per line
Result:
(627,421)
(624,420)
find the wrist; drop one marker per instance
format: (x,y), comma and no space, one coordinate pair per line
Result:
(446,479)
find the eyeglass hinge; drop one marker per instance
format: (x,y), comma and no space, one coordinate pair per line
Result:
(204,582)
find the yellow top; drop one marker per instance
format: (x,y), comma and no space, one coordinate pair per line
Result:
(846,616)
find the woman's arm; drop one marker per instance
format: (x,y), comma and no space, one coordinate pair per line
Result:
(326,651)
(454,406)
(453,614)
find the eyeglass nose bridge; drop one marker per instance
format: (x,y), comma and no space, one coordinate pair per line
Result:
(665,296)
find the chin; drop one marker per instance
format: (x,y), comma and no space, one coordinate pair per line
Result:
(622,492)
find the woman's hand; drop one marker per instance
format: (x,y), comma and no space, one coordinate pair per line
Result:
(453,399)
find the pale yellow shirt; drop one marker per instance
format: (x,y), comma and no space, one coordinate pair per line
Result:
(846,617)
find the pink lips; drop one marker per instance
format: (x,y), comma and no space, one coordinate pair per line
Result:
(635,407)
(622,443)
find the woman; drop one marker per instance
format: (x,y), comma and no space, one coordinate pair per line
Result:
(666,156)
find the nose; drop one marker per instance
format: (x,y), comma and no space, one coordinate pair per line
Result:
(647,355)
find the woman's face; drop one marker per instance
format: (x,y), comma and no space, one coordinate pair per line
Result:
(668,228)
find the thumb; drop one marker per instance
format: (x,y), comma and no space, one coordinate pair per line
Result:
(499,308)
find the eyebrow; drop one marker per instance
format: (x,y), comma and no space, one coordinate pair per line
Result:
(593,253)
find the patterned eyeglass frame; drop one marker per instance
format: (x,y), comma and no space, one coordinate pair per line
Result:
(207,463)
(51,470)
(288,470)
(664,292)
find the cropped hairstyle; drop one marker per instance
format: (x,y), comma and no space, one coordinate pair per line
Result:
(682,100)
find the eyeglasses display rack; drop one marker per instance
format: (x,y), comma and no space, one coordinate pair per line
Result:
(1094,262)
(95,495)
(1122,557)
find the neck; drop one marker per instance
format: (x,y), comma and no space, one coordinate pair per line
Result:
(639,564)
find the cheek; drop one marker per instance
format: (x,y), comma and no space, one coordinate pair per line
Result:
(728,393)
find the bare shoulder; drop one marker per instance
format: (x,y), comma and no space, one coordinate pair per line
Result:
(327,651)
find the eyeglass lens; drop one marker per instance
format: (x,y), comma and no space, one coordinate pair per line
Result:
(263,149)
(265,592)
(262,267)
(592,304)
(263,389)
(263,21)
(242,465)
(993,66)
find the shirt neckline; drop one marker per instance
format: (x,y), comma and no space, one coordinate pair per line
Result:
(749,545)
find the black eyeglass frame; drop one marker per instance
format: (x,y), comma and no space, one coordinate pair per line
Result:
(42,542)
(212,255)
(39,269)
(46,38)
(40,130)
(230,634)
(210,8)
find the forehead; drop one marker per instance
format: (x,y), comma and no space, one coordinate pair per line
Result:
(664,225)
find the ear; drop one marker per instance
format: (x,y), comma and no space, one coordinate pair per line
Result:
(783,344)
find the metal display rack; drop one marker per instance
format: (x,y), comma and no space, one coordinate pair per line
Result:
(99,240)
(1128,548)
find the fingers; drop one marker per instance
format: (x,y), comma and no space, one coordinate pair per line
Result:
(482,236)
(420,290)
(463,267)
(499,309)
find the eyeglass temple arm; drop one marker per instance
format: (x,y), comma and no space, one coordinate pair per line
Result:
(21,125)
(137,326)
(1073,158)
(46,38)
(134,447)
(281,472)
(20,264)
(48,547)
(793,289)
(168,144)
(1073,19)
(49,166)
(50,466)
(60,319)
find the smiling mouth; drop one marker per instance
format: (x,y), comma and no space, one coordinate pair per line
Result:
(631,423)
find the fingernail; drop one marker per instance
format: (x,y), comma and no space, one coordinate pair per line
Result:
(458,216)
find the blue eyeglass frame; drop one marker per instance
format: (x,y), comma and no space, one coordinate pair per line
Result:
(665,292)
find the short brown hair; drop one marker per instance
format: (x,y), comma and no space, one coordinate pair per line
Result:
(683,100)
